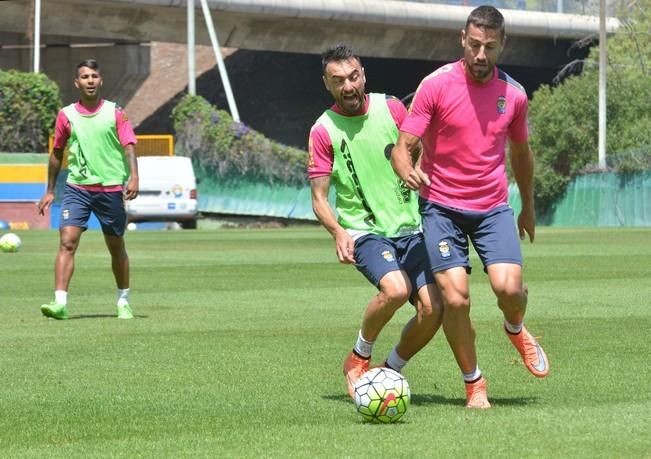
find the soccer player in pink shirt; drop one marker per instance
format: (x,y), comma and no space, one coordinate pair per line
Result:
(464,113)
(102,173)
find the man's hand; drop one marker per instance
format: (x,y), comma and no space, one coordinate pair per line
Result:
(527,223)
(45,202)
(132,189)
(345,247)
(402,161)
(416,178)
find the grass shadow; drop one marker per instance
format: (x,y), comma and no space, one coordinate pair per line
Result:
(103,316)
(432,399)
(337,398)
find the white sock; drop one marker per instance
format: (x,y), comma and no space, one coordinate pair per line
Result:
(396,362)
(515,329)
(473,376)
(123,296)
(61,297)
(362,347)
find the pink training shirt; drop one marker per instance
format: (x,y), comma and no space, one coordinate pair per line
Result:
(321,154)
(464,126)
(62,132)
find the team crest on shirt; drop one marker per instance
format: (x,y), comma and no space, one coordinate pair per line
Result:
(501,105)
(444,249)
(388,256)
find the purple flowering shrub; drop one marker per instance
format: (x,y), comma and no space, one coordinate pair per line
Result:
(226,148)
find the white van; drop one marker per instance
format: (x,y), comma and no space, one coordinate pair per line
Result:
(168,191)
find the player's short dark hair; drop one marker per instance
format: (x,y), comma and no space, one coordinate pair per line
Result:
(339,52)
(486,17)
(90,63)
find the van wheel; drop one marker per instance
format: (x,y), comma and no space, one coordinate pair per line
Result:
(189,224)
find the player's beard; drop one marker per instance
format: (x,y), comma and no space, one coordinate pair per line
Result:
(352,104)
(481,72)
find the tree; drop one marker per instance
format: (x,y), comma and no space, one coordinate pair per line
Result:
(564,118)
(28,107)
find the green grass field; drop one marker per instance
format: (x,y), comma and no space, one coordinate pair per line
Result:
(238,341)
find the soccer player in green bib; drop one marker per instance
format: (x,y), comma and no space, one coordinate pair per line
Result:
(101,160)
(376,225)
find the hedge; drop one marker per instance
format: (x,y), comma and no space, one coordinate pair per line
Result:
(29,103)
(226,148)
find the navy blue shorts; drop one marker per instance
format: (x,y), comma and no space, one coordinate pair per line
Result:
(378,255)
(448,232)
(108,207)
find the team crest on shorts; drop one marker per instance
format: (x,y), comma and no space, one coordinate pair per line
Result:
(65,214)
(444,249)
(388,256)
(501,105)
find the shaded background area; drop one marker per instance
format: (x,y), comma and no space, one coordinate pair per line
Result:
(282,94)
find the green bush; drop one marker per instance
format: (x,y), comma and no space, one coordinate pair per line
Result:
(564,119)
(227,148)
(28,107)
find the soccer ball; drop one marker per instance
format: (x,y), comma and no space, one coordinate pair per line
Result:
(10,243)
(382,395)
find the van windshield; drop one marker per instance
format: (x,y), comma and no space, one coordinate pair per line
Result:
(165,169)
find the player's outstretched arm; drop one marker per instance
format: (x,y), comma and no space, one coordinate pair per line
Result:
(344,244)
(522,163)
(402,160)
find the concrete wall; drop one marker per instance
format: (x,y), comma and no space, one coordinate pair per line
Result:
(124,65)
(24,215)
(407,30)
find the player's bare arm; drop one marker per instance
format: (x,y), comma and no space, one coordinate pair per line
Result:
(402,159)
(54,166)
(416,154)
(344,244)
(522,163)
(133,184)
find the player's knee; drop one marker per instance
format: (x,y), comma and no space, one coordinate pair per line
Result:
(456,301)
(429,313)
(395,295)
(510,292)
(116,246)
(68,246)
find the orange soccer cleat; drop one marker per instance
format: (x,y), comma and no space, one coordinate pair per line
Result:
(532,353)
(476,396)
(354,367)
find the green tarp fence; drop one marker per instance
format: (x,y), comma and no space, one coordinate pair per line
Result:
(248,197)
(602,199)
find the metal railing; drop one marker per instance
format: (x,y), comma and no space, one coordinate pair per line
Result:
(581,7)
(148,145)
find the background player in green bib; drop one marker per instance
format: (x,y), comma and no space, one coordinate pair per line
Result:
(101,159)
(377,226)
